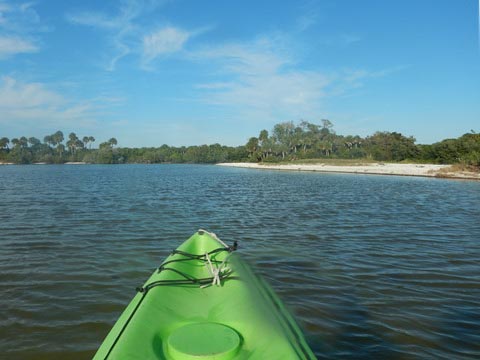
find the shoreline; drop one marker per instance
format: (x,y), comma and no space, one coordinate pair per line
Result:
(421,170)
(393,169)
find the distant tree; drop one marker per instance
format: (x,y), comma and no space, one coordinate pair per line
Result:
(298,138)
(112,142)
(58,137)
(4,141)
(34,141)
(264,144)
(470,149)
(326,132)
(20,154)
(388,146)
(283,134)
(252,148)
(54,139)
(48,140)
(74,142)
(86,140)
(310,135)
(263,136)
(105,153)
(60,149)
(23,142)
(327,124)
(465,150)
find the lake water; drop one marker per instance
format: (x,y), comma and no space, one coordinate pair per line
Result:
(371,266)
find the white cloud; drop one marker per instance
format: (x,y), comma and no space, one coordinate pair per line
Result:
(215,85)
(94,20)
(126,33)
(4,8)
(119,27)
(128,11)
(122,29)
(163,42)
(17,24)
(349,79)
(12,45)
(262,56)
(264,81)
(14,94)
(33,103)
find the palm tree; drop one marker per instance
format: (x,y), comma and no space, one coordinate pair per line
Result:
(23,142)
(72,143)
(4,143)
(33,141)
(252,147)
(86,140)
(60,149)
(57,137)
(48,140)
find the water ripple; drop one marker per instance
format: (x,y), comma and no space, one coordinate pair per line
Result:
(371,266)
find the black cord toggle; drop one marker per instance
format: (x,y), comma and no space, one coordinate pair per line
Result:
(234,246)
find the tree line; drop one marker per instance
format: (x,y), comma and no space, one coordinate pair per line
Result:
(56,149)
(52,150)
(305,140)
(287,141)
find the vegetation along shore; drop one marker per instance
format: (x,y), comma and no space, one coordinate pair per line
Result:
(302,146)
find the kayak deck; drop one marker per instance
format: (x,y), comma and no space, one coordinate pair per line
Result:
(204,302)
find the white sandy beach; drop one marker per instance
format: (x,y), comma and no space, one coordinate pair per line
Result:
(428,170)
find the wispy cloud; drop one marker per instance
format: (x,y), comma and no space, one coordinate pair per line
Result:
(127,12)
(20,18)
(263,80)
(127,35)
(266,82)
(261,56)
(34,103)
(119,27)
(96,20)
(12,45)
(18,24)
(348,79)
(164,41)
(310,15)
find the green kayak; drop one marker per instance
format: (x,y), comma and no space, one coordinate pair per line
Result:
(203,303)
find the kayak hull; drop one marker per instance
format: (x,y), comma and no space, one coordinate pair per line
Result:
(185,312)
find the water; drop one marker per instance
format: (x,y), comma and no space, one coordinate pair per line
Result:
(371,266)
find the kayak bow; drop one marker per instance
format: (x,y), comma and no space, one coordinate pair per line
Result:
(204,303)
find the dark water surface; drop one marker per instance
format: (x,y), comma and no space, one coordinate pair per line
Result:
(371,266)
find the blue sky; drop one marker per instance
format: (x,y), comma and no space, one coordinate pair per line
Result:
(193,72)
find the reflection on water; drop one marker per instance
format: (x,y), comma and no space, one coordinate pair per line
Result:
(371,266)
